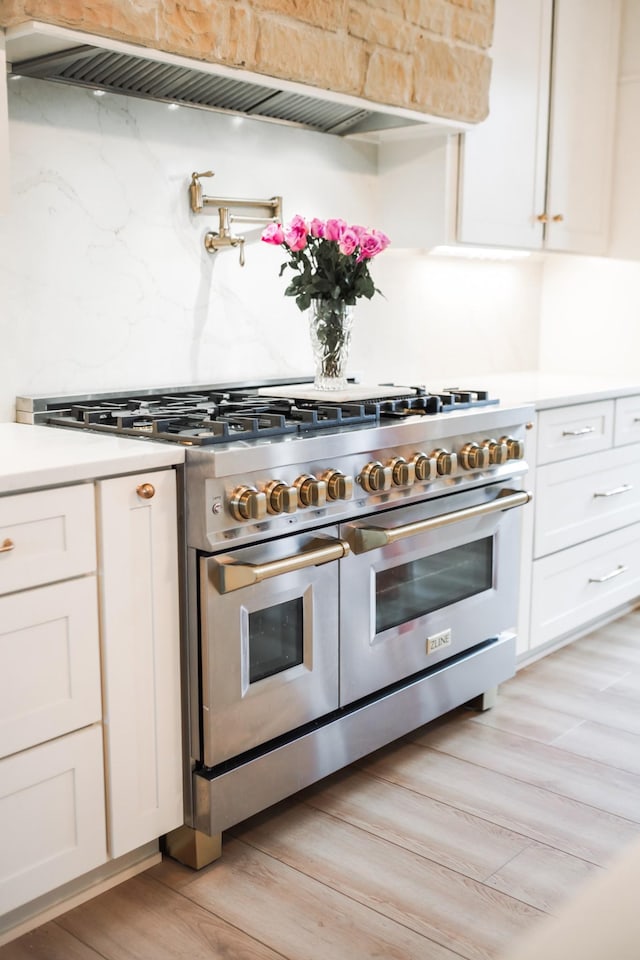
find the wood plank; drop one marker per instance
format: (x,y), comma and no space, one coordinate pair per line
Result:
(543,877)
(549,818)
(401,885)
(527,718)
(603,786)
(616,748)
(142,918)
(300,917)
(48,942)
(453,838)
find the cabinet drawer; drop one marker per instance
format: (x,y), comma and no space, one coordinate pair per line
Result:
(586,497)
(49,663)
(47,536)
(583,583)
(574,431)
(52,816)
(627,425)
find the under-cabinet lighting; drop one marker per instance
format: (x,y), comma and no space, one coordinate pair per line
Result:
(173,106)
(480,253)
(99,93)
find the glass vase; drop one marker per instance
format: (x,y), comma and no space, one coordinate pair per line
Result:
(330,323)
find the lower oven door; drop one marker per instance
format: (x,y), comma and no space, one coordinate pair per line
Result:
(269,640)
(426,582)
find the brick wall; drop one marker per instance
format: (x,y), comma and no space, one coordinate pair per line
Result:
(428,55)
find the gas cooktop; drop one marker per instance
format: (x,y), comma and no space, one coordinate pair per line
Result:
(205,415)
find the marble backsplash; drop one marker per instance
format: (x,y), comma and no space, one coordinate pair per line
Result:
(105,283)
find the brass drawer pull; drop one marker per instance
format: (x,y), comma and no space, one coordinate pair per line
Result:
(7,545)
(146,491)
(621,568)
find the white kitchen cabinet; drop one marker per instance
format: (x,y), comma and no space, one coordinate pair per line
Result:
(625,213)
(537,173)
(585,547)
(140,646)
(52,816)
(4,130)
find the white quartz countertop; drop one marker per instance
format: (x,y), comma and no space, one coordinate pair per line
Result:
(546,391)
(38,456)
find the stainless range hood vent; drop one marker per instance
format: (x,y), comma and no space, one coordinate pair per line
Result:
(139,76)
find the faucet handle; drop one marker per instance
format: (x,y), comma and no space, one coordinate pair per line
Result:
(195,190)
(241,245)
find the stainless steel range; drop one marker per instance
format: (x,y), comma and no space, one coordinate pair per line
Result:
(351,570)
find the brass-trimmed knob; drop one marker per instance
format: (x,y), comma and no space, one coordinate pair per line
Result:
(281,498)
(426,468)
(557,218)
(446,463)
(312,492)
(339,485)
(498,450)
(248,503)
(146,491)
(403,473)
(7,545)
(474,457)
(375,477)
(515,447)
(543,218)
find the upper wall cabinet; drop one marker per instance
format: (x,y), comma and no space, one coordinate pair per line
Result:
(625,212)
(537,173)
(4,130)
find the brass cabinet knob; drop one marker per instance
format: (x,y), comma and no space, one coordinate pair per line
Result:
(146,491)
(375,477)
(281,498)
(425,467)
(339,485)
(248,503)
(402,472)
(311,491)
(557,218)
(498,451)
(543,218)
(7,545)
(446,463)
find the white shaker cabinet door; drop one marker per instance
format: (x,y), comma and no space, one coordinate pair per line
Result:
(138,570)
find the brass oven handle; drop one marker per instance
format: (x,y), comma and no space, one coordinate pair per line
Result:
(7,545)
(230,575)
(362,539)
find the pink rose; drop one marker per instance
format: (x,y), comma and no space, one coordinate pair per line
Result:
(382,237)
(316,228)
(348,241)
(370,246)
(295,234)
(333,229)
(358,229)
(273,234)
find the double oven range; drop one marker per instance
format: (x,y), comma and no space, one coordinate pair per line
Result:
(351,570)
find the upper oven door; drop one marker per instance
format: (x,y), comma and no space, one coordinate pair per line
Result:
(426,582)
(269,640)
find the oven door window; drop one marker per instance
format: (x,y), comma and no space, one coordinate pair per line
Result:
(275,639)
(430,583)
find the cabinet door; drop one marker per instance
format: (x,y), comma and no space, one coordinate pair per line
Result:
(138,565)
(583,100)
(52,826)
(503,162)
(4,130)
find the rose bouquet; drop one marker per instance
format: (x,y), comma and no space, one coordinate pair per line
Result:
(331,262)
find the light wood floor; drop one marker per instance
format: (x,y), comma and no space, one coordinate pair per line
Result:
(451,843)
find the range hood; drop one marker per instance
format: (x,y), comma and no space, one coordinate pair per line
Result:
(48,52)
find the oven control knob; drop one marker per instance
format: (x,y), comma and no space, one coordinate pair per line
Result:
(280,497)
(402,473)
(339,486)
(247,503)
(375,477)
(446,463)
(474,457)
(515,447)
(311,491)
(498,450)
(426,468)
